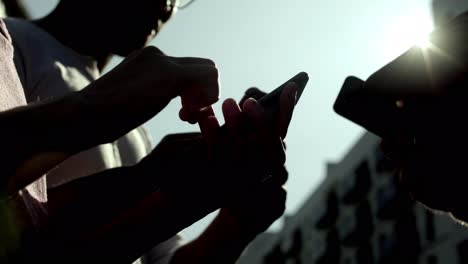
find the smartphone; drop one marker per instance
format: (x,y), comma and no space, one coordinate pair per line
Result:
(271,101)
(389,113)
(379,113)
(416,93)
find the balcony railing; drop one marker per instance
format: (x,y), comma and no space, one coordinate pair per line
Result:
(356,227)
(328,213)
(354,187)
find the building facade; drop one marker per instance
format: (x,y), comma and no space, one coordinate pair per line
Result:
(360,214)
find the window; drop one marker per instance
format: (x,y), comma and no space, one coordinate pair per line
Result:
(387,245)
(328,212)
(275,257)
(383,163)
(432,259)
(430,232)
(354,187)
(297,244)
(463,252)
(364,254)
(386,201)
(363,177)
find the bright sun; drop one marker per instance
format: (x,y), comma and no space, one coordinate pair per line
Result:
(406,32)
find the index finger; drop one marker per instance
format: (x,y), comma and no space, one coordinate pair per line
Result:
(200,89)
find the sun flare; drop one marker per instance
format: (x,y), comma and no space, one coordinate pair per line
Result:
(406,32)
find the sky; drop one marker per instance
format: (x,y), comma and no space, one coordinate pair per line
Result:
(263,43)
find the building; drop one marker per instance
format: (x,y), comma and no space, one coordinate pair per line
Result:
(359,214)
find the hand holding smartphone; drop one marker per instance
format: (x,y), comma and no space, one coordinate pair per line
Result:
(271,101)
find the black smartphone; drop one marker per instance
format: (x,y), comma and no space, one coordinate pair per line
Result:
(413,95)
(389,113)
(379,113)
(271,101)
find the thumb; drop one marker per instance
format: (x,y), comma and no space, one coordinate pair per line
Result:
(153,49)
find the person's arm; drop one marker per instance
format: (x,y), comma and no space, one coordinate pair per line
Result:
(222,242)
(252,211)
(194,179)
(234,228)
(37,137)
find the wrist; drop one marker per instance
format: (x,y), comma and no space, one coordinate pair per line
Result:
(223,241)
(240,228)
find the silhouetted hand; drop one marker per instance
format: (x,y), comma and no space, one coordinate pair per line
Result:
(126,97)
(118,214)
(147,80)
(83,219)
(182,180)
(228,159)
(254,210)
(251,208)
(287,108)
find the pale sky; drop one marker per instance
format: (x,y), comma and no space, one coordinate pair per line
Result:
(265,42)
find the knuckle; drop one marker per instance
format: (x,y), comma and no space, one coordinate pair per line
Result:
(283,176)
(213,72)
(151,52)
(209,62)
(282,205)
(281,158)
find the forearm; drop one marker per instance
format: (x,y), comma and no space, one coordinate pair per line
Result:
(36,137)
(134,232)
(130,213)
(39,136)
(222,242)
